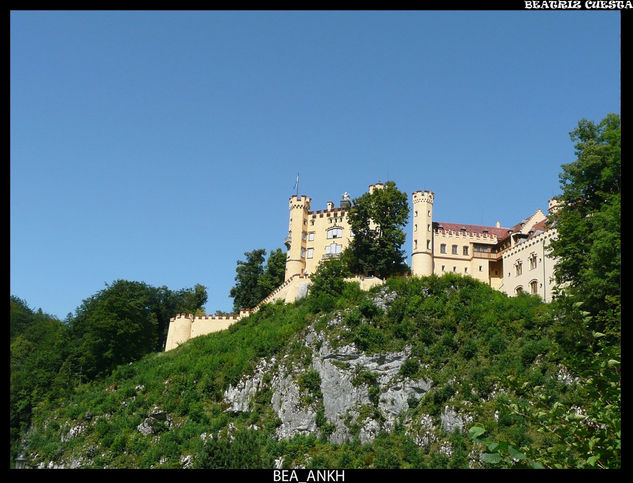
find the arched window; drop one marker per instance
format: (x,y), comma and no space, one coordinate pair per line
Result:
(333,249)
(335,232)
(534,286)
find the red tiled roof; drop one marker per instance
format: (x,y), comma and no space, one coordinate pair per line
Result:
(500,233)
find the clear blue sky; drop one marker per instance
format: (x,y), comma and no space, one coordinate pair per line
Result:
(161,146)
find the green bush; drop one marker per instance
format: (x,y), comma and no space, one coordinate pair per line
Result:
(369,338)
(353,318)
(410,367)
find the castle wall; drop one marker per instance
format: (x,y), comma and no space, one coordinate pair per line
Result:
(488,254)
(179,331)
(537,268)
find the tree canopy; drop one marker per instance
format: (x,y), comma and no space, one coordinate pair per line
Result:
(377,220)
(256,281)
(588,220)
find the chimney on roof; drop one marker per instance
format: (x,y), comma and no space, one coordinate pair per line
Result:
(498,225)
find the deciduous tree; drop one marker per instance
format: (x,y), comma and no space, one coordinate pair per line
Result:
(377,220)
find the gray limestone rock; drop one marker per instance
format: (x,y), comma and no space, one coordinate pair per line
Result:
(295,417)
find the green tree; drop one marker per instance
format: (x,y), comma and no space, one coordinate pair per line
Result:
(35,359)
(274,272)
(329,278)
(115,326)
(588,221)
(165,303)
(246,292)
(377,221)
(254,280)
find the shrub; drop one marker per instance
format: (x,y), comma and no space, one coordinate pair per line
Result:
(469,350)
(353,318)
(404,330)
(369,338)
(243,452)
(368,309)
(311,382)
(409,368)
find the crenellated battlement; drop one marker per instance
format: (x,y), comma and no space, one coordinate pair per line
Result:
(186,326)
(423,196)
(317,235)
(465,234)
(299,202)
(330,212)
(279,289)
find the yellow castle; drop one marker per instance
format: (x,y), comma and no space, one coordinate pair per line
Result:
(512,260)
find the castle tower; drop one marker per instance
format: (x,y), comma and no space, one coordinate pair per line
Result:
(297,235)
(422,253)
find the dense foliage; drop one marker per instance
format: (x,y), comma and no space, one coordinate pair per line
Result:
(118,325)
(254,280)
(377,220)
(36,356)
(500,361)
(588,221)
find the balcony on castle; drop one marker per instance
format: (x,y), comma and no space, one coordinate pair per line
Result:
(487,255)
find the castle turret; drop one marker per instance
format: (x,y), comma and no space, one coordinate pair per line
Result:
(553,206)
(422,253)
(297,234)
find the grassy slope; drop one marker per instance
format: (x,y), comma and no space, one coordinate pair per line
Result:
(482,350)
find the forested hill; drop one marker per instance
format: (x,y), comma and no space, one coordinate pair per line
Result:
(436,372)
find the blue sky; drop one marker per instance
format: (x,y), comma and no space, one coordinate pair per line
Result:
(161,146)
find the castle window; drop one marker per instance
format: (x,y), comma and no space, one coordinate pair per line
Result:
(454,269)
(518,267)
(333,249)
(335,233)
(310,252)
(443,248)
(416,213)
(415,227)
(303,253)
(466,270)
(311,236)
(442,268)
(518,290)
(481,268)
(454,249)
(304,235)
(532,261)
(428,227)
(466,250)
(533,286)
(415,244)
(428,244)
(429,212)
